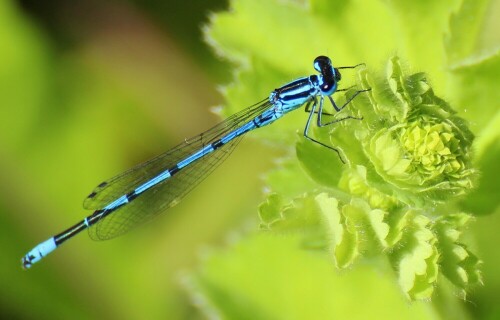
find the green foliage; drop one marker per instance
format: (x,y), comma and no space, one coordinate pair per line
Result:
(266,277)
(415,142)
(78,103)
(405,196)
(414,156)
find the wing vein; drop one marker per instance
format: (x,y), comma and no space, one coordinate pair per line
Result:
(170,191)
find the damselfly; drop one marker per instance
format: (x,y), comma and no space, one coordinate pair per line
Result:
(141,193)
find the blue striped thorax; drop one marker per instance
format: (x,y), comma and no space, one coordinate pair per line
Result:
(292,95)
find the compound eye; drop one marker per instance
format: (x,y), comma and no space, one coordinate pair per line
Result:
(316,66)
(320,62)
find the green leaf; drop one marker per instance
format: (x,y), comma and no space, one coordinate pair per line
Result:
(416,260)
(269,211)
(321,164)
(237,35)
(483,110)
(267,277)
(421,38)
(299,215)
(484,199)
(341,229)
(289,180)
(406,161)
(471,41)
(459,265)
(355,182)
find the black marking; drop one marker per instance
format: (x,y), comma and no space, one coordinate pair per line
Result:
(173,170)
(294,86)
(299,83)
(338,76)
(303,94)
(93,194)
(70,232)
(131,196)
(103,184)
(98,215)
(216,144)
(263,119)
(257,125)
(314,80)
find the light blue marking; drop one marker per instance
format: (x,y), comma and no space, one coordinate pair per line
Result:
(39,252)
(118,202)
(195,156)
(298,89)
(153,182)
(275,114)
(245,128)
(228,137)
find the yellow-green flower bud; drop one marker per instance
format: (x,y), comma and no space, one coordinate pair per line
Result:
(421,148)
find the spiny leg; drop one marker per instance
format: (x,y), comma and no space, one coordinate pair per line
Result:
(352,67)
(345,89)
(308,105)
(308,123)
(308,108)
(320,122)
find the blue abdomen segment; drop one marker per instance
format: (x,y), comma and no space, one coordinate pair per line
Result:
(38,252)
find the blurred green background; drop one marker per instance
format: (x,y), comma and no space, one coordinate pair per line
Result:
(87,90)
(90,88)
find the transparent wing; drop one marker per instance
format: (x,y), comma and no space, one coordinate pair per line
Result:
(169,192)
(160,197)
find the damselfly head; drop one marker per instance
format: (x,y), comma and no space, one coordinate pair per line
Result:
(322,62)
(329,75)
